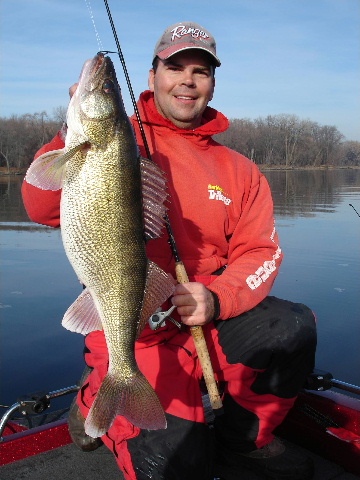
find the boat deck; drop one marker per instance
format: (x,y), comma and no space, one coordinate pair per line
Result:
(69,462)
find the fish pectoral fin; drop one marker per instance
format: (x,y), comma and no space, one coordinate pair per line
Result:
(154,194)
(82,315)
(133,398)
(158,288)
(47,171)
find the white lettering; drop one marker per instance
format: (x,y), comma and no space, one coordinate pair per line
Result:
(266,269)
(218,195)
(181,30)
(253,281)
(212,194)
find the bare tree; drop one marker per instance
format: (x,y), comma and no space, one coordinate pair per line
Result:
(21,136)
(282,139)
(349,154)
(287,140)
(59,114)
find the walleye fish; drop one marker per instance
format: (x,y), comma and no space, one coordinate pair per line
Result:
(111,200)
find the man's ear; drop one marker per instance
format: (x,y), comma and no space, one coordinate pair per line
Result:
(212,94)
(151,79)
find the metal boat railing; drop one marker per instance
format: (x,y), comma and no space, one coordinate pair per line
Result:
(34,404)
(320,381)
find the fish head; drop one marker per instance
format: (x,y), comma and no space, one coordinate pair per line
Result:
(96,108)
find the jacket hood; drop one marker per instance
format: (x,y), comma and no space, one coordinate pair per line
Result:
(212,122)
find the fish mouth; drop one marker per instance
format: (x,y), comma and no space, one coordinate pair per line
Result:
(98,94)
(94,71)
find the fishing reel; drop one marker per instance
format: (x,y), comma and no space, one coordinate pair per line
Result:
(158,319)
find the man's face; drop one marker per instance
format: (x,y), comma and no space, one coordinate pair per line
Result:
(183,85)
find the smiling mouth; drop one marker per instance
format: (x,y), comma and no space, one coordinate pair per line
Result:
(184,97)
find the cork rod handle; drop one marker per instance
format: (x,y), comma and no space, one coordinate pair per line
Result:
(202,350)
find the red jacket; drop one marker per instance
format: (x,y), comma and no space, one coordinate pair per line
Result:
(220,208)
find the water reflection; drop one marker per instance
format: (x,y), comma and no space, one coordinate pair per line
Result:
(11,206)
(37,286)
(319,235)
(306,192)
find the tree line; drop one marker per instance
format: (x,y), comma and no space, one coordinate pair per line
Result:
(21,137)
(289,141)
(283,140)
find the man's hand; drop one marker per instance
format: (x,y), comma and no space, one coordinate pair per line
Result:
(194,302)
(72,89)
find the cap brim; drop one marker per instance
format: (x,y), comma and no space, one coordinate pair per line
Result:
(168,52)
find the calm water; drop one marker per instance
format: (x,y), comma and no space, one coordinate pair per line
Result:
(319,234)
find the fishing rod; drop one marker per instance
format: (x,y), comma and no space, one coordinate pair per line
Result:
(351,205)
(181,275)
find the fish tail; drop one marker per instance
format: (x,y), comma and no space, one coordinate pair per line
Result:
(133,398)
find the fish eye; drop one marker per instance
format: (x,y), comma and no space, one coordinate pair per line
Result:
(108,86)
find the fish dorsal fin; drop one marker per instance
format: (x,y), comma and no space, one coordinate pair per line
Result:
(159,286)
(82,316)
(47,171)
(154,196)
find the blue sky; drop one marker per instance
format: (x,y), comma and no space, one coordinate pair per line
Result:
(278,56)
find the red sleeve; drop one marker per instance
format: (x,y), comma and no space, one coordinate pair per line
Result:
(254,255)
(43,206)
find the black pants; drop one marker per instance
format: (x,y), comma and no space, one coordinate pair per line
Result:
(277,340)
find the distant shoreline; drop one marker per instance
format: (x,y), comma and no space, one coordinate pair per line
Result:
(310,167)
(262,168)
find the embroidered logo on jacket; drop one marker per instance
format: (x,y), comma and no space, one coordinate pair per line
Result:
(216,193)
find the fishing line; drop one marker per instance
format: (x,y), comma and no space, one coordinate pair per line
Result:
(98,39)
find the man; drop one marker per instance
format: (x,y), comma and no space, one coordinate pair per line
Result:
(262,348)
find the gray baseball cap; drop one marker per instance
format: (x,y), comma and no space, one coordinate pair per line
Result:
(183,36)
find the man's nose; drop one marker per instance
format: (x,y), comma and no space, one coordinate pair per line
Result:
(188,79)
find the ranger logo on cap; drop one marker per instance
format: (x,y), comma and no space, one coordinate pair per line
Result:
(183,36)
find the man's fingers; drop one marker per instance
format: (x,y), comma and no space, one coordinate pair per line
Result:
(180,300)
(183,288)
(72,89)
(194,303)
